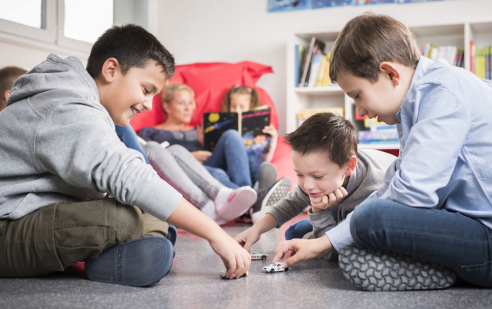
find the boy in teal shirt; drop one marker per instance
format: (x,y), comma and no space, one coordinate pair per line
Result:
(70,190)
(436,203)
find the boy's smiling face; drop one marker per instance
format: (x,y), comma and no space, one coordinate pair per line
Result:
(380,99)
(317,175)
(125,95)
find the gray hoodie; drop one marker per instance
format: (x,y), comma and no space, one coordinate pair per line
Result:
(58,145)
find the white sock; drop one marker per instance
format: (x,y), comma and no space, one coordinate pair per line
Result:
(209,209)
(222,197)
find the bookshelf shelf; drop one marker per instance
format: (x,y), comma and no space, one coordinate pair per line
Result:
(319,90)
(298,98)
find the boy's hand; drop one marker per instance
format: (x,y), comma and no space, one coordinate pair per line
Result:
(236,259)
(201,155)
(271,130)
(248,238)
(302,249)
(320,204)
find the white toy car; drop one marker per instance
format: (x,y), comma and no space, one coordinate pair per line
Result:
(258,256)
(275,267)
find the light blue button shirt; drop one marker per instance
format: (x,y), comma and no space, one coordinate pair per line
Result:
(445,134)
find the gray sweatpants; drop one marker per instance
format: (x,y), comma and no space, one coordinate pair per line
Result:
(179,168)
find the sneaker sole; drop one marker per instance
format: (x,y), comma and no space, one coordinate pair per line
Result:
(243,200)
(140,262)
(279,190)
(373,270)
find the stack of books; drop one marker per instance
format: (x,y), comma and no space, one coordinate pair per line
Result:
(378,133)
(451,54)
(312,65)
(481,61)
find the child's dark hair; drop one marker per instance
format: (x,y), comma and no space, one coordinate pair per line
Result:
(132,46)
(368,40)
(255,100)
(8,75)
(325,132)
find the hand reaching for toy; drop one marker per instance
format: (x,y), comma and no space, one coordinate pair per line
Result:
(201,155)
(236,259)
(271,130)
(321,203)
(302,249)
(248,238)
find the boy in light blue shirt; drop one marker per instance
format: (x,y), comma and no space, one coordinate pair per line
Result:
(436,203)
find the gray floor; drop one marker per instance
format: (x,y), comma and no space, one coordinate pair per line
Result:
(194,283)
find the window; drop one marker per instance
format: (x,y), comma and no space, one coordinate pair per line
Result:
(66,25)
(29,19)
(83,22)
(32,13)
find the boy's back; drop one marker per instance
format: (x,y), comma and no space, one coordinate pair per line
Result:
(445,134)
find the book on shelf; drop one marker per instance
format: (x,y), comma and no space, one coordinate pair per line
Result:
(451,54)
(249,124)
(481,61)
(304,114)
(300,53)
(377,132)
(315,47)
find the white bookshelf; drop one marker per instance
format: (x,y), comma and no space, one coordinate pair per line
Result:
(298,98)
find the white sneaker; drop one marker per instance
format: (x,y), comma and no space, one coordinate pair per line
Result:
(238,202)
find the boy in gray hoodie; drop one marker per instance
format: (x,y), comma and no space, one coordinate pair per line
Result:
(67,181)
(334,177)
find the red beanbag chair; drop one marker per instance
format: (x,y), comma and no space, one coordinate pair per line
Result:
(210,82)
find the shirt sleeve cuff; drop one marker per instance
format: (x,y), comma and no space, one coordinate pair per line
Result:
(340,236)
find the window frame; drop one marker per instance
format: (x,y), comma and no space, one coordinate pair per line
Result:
(46,35)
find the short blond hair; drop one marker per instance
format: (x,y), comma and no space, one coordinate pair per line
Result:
(368,40)
(168,93)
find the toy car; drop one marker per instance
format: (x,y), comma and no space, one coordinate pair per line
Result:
(222,275)
(258,256)
(275,267)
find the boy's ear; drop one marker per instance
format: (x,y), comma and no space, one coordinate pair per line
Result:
(390,70)
(6,95)
(351,165)
(109,69)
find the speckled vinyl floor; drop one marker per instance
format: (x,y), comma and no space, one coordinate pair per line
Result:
(193,282)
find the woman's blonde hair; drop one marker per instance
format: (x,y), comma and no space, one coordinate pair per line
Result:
(236,89)
(168,93)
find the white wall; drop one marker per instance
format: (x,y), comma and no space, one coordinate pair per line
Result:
(233,30)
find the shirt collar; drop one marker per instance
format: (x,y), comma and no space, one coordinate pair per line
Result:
(422,66)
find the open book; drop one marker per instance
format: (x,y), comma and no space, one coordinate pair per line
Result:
(249,124)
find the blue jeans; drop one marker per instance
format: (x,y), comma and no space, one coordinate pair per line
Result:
(221,176)
(298,230)
(129,138)
(230,155)
(447,238)
(254,167)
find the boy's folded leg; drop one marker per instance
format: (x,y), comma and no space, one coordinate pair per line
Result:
(59,235)
(237,203)
(373,270)
(140,262)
